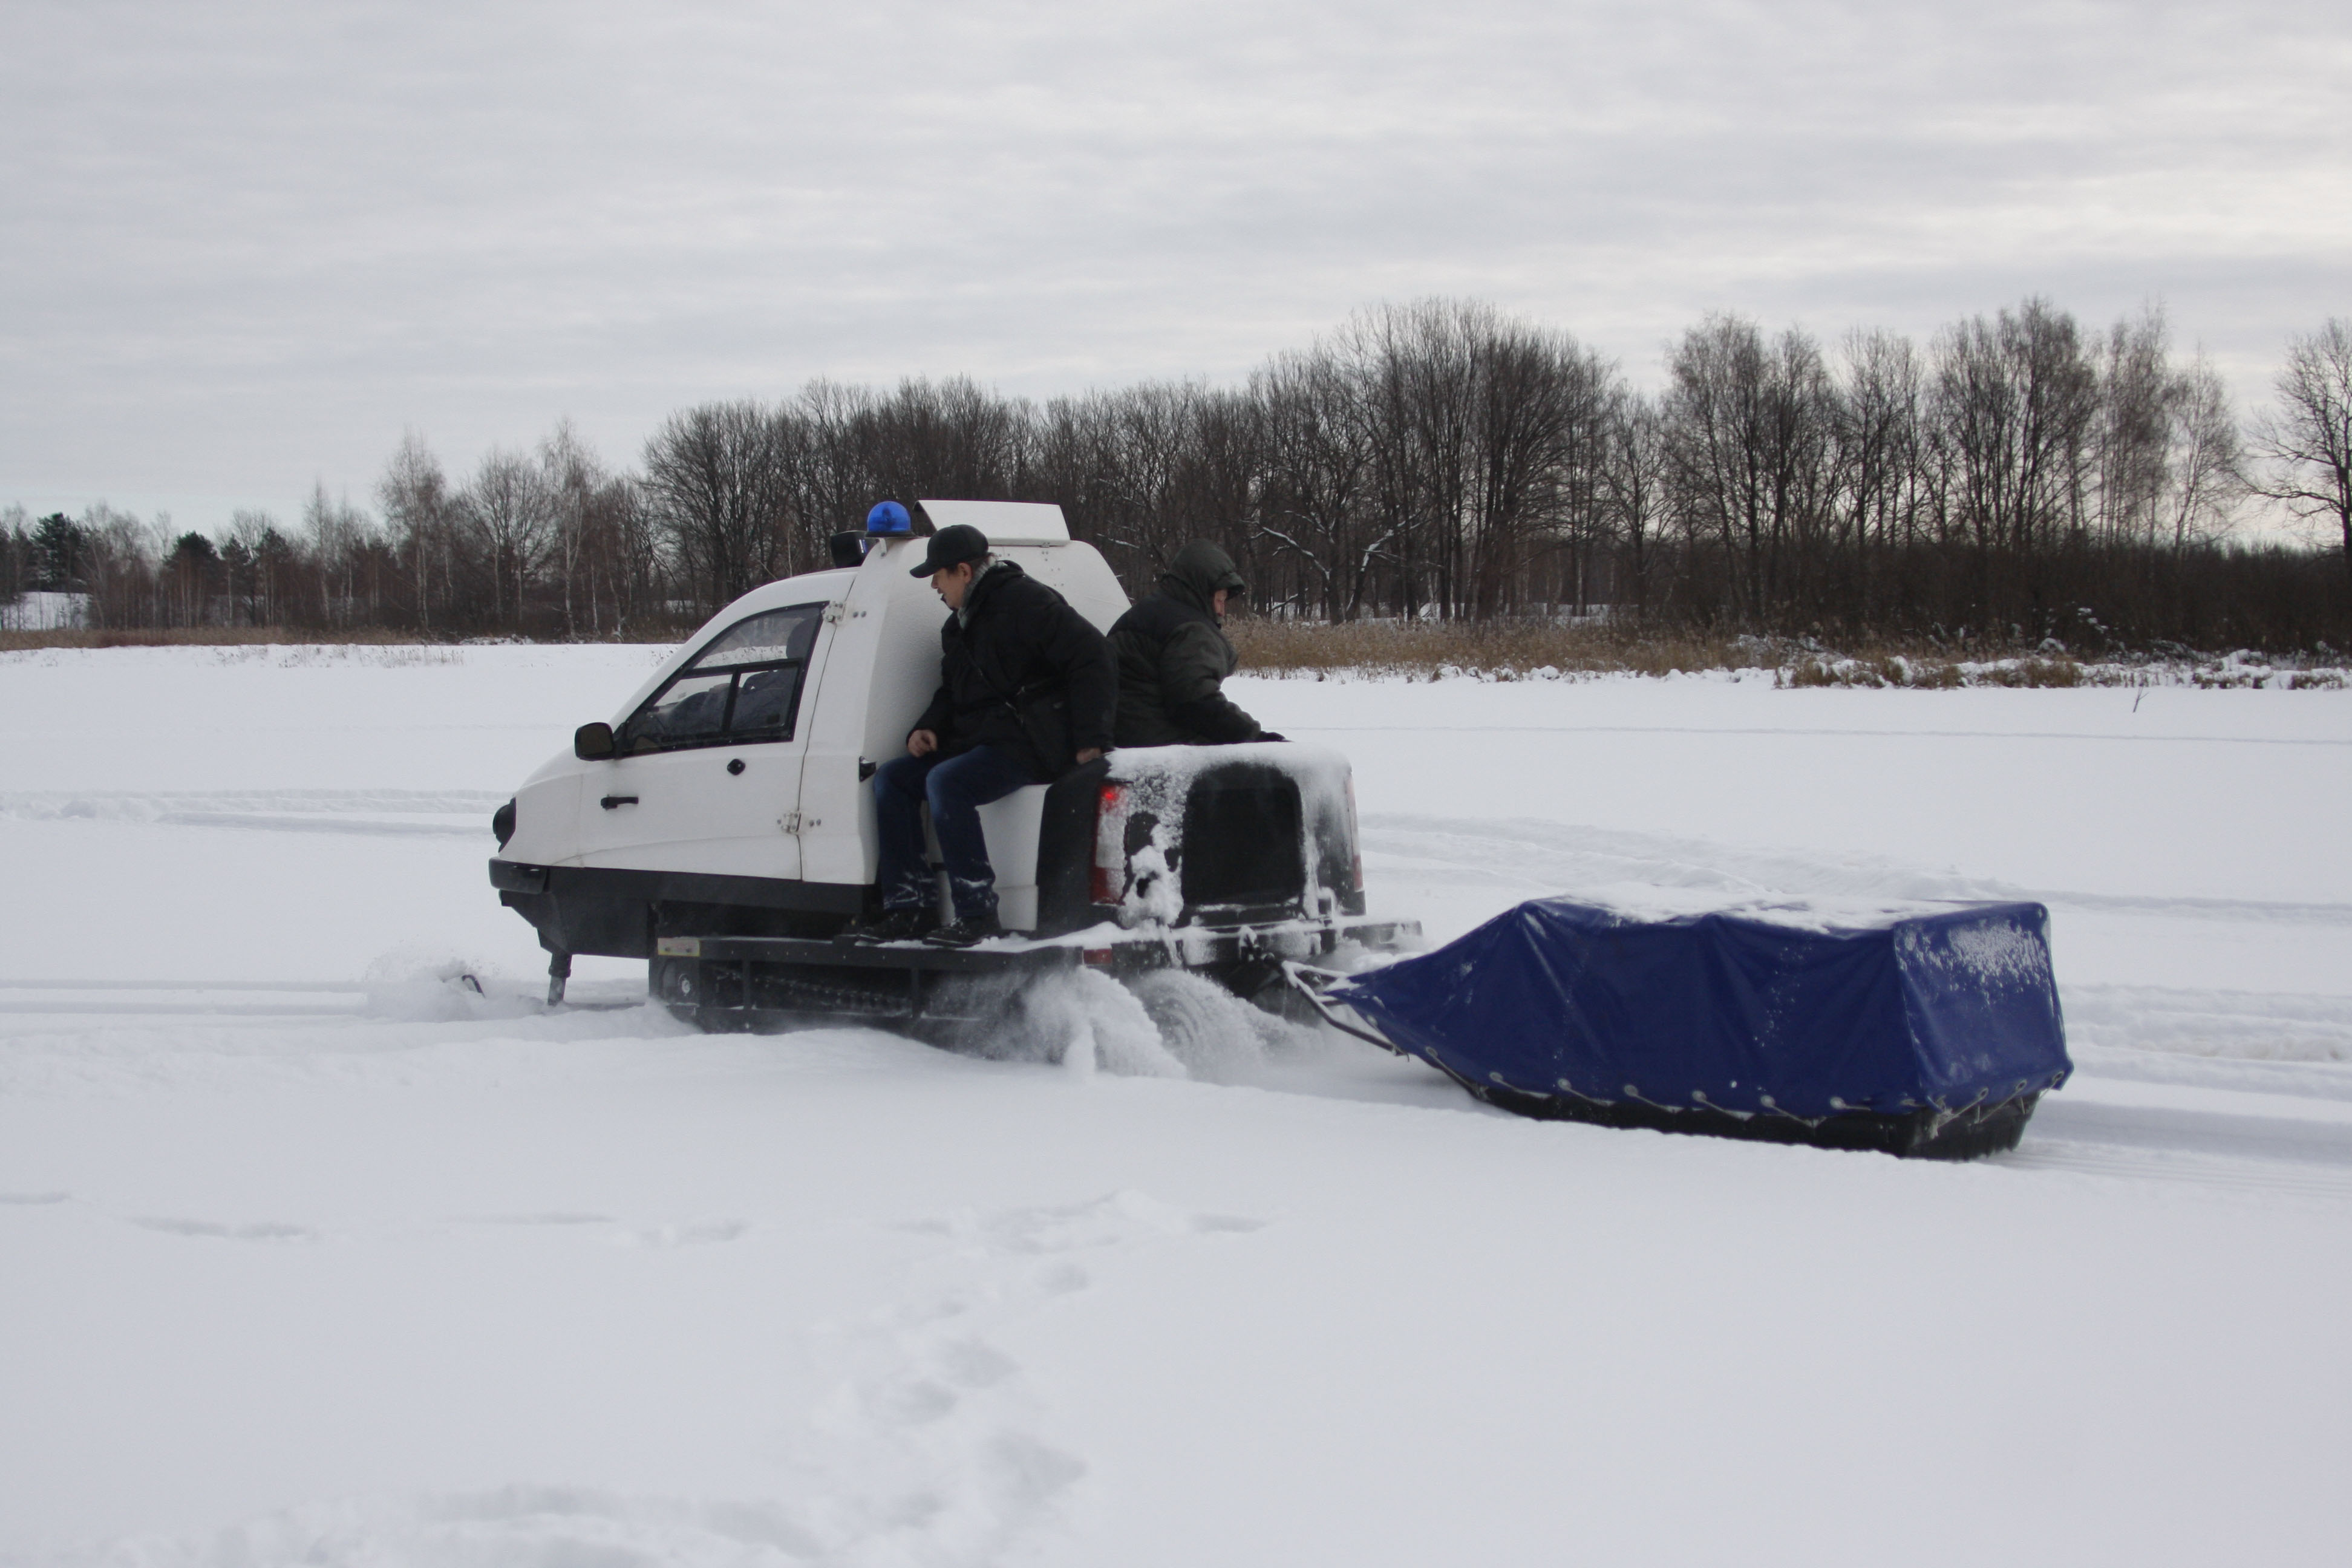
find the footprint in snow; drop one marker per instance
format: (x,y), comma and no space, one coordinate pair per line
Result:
(973,1364)
(1027,1475)
(666,1233)
(1225,1224)
(1109,1221)
(685,1234)
(267,1230)
(1050,1231)
(909,1401)
(932,1441)
(1061,1278)
(526,1524)
(1120,1219)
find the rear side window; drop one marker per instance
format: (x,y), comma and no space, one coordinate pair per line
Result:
(744,688)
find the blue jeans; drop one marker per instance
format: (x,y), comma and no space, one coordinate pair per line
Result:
(955,787)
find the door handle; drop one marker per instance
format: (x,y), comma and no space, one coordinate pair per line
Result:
(611,801)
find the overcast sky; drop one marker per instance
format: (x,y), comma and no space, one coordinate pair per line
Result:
(244,247)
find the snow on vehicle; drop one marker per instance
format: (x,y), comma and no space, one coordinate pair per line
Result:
(722,826)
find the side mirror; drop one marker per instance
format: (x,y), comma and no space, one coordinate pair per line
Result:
(593,743)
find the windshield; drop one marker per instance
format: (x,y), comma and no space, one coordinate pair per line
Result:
(744,688)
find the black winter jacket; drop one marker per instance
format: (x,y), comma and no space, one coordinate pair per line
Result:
(1018,634)
(1173,659)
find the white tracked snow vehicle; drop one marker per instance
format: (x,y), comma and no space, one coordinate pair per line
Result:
(722,828)
(722,825)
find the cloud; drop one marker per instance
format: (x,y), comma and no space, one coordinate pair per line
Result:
(246,246)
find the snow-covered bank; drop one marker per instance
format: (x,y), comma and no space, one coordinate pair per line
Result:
(311,1256)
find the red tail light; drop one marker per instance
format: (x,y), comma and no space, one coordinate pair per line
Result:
(1108,884)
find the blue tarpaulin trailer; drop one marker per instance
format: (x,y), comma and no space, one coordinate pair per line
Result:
(1925,1030)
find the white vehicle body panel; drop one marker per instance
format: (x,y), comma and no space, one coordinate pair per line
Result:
(1005,522)
(691,814)
(1009,828)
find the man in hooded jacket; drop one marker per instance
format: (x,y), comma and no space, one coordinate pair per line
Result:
(1012,645)
(1173,658)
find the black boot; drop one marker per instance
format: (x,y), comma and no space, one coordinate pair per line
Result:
(964,932)
(902,924)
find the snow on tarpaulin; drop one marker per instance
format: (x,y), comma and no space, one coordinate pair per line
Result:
(1775,1021)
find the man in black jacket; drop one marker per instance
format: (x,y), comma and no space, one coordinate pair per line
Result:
(1026,688)
(1173,658)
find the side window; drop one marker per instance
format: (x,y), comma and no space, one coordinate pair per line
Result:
(745,686)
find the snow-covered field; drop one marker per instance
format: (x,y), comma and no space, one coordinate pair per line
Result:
(306,1256)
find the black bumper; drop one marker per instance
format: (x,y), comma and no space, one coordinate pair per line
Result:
(621,914)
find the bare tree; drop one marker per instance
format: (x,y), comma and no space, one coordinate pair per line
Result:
(2305,442)
(832,478)
(2131,436)
(1313,512)
(422,515)
(948,438)
(1634,488)
(15,553)
(340,540)
(2015,396)
(1880,405)
(576,491)
(2205,456)
(640,564)
(264,556)
(1750,452)
(118,564)
(719,477)
(510,510)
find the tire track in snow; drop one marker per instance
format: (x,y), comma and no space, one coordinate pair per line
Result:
(1537,854)
(374,811)
(1804,732)
(525,1525)
(177,1010)
(2268,1179)
(2295,1077)
(2275,1138)
(1524,852)
(263,1230)
(2240,1025)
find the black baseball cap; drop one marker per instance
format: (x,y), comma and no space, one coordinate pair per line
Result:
(952,546)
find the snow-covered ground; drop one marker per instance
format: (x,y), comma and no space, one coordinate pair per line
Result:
(306,1256)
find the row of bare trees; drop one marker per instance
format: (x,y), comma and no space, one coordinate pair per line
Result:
(550,542)
(547,542)
(2015,476)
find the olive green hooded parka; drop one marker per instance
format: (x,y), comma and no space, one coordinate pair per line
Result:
(1173,659)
